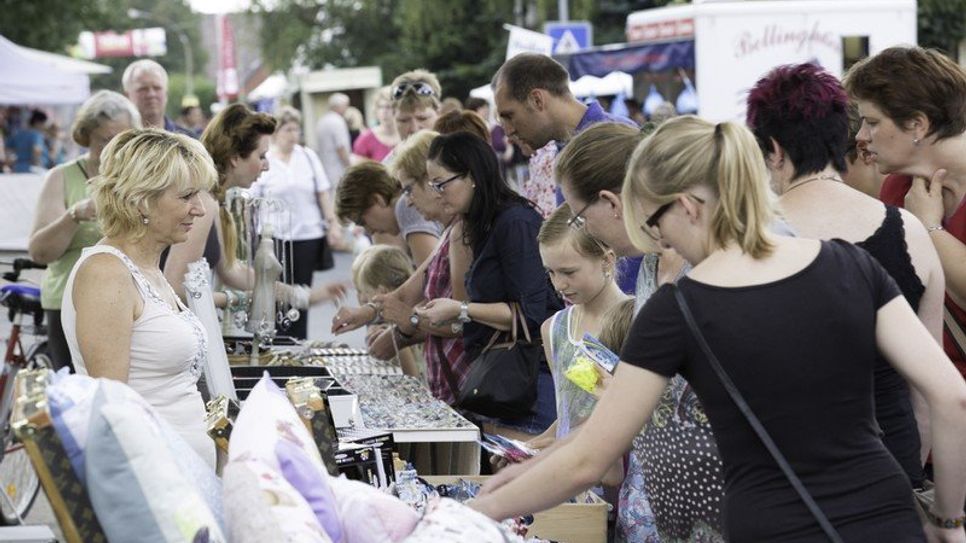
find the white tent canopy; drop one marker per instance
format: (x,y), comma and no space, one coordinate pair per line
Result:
(29,76)
(612,84)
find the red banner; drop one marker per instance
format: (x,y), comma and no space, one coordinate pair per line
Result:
(140,42)
(227,71)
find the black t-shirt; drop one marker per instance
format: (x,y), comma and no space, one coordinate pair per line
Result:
(801,350)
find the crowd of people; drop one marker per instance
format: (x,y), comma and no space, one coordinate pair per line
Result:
(785,295)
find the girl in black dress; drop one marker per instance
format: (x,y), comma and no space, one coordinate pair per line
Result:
(797,324)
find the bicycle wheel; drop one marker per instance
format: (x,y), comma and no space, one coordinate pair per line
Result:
(19,482)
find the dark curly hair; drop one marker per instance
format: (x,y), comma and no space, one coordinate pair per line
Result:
(805,109)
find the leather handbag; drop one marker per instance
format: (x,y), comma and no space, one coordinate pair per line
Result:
(325,260)
(502,381)
(766,439)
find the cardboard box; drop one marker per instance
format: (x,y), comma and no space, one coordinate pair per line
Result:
(566,523)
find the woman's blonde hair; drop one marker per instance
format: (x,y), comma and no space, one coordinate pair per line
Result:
(234,132)
(557,229)
(137,167)
(685,152)
(596,159)
(102,106)
(409,100)
(410,157)
(615,324)
(381,266)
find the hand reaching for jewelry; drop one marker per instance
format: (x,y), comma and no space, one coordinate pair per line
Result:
(348,319)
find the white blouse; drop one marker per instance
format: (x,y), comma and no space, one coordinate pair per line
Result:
(295,183)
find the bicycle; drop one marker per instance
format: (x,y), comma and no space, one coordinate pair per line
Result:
(19,484)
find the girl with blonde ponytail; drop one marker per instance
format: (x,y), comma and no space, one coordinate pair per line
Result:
(796,324)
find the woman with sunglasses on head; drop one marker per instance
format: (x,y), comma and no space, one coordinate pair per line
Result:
(500,228)
(798,114)
(796,324)
(415,102)
(913,107)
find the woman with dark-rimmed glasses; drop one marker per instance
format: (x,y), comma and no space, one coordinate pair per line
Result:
(500,227)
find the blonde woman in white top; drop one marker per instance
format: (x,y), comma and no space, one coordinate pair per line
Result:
(122,319)
(295,177)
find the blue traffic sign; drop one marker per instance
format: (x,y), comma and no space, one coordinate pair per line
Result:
(569,37)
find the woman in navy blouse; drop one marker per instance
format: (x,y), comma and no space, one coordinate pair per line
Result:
(501,229)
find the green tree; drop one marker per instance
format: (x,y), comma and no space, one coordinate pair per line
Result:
(942,24)
(54,25)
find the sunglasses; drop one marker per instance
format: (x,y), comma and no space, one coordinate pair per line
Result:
(578,221)
(421,88)
(650,226)
(438,187)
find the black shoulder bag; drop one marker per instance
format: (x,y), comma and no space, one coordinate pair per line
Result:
(502,381)
(736,396)
(325,260)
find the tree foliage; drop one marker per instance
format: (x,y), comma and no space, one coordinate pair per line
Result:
(942,24)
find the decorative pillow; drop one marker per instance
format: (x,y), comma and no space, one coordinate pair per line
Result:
(74,399)
(268,429)
(70,398)
(312,483)
(370,515)
(261,506)
(136,488)
(448,520)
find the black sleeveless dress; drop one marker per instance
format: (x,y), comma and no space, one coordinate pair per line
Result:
(893,407)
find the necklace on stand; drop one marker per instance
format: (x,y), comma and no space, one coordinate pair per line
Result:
(826,177)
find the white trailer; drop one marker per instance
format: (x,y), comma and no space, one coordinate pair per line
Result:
(737,42)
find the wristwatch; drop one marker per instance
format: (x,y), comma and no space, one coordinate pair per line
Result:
(465,313)
(414,320)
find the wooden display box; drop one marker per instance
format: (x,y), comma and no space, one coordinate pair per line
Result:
(566,523)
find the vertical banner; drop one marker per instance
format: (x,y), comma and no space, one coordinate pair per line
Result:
(227,71)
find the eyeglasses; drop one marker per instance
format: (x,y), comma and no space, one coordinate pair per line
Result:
(650,226)
(421,88)
(578,221)
(438,187)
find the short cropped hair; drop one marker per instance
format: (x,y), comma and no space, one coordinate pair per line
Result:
(359,187)
(138,66)
(463,121)
(410,100)
(527,71)
(137,167)
(905,81)
(102,106)
(409,157)
(338,99)
(287,114)
(804,109)
(475,104)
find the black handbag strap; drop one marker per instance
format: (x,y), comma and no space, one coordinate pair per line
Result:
(736,396)
(315,182)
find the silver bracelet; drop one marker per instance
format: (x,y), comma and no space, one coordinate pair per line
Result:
(932,229)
